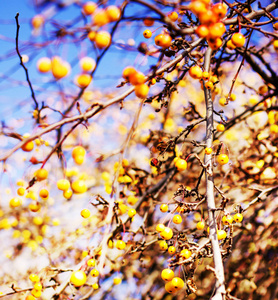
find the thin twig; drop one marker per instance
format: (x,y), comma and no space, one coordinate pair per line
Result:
(22,64)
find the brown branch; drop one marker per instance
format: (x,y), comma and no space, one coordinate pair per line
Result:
(22,64)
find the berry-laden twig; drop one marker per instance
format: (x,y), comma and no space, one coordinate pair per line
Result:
(217,258)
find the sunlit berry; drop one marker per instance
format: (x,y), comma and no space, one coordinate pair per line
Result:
(141,90)
(117,280)
(102,39)
(21,191)
(220,127)
(79,186)
(85,213)
(170,288)
(208,150)
(37,21)
(195,72)
(78,278)
(94,273)
(227,220)
(238,39)
(167,274)
(159,227)
(200,225)
(120,244)
(63,184)
(167,233)
(163,245)
(172,250)
(147,34)
(89,7)
(238,217)
(100,17)
(223,159)
(44,64)
(164,208)
(220,10)
(83,80)
(15,202)
(173,16)
(177,283)
(221,234)
(44,193)
(41,174)
(113,13)
(185,253)
(131,212)
(181,164)
(163,40)
(177,219)
(87,64)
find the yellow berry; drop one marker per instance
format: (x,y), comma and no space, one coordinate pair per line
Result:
(78,278)
(167,274)
(85,213)
(177,219)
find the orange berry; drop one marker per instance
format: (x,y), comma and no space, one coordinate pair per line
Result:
(181,164)
(102,39)
(238,39)
(208,150)
(167,274)
(197,7)
(205,75)
(216,30)
(87,64)
(21,191)
(215,44)
(44,64)
(44,193)
(195,72)
(220,127)
(34,206)
(92,35)
(163,208)
(230,45)
(113,13)
(128,72)
(148,22)
(83,80)
(200,225)
(163,245)
(141,90)
(169,287)
(136,78)
(202,31)
(209,85)
(275,45)
(185,253)
(59,67)
(147,34)
(78,151)
(27,147)
(89,8)
(172,250)
(163,40)
(207,17)
(37,21)
(223,159)
(100,17)
(177,219)
(219,9)
(173,16)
